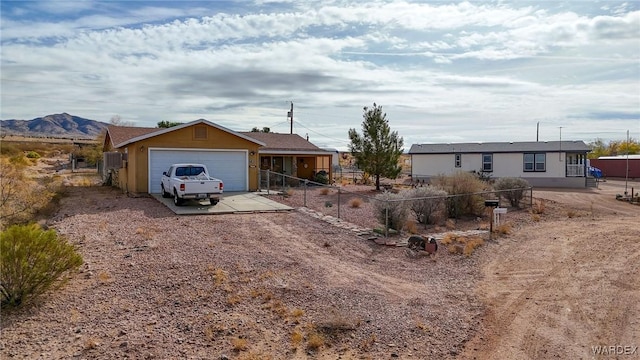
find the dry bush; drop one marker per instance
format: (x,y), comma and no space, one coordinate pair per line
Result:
(471,245)
(450,224)
(448,238)
(422,326)
(426,203)
(297,313)
(324,191)
(462,184)
(146,233)
(503,229)
(391,210)
(219,276)
(296,337)
(21,196)
(512,189)
(571,213)
(535,217)
(455,249)
(315,340)
(91,343)
(355,203)
(411,227)
(239,344)
(538,206)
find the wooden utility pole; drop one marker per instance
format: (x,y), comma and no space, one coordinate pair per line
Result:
(290,114)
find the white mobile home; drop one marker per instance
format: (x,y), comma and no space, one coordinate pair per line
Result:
(542,164)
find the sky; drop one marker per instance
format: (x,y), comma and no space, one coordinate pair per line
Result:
(473,71)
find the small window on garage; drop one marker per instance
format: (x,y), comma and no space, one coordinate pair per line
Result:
(200,133)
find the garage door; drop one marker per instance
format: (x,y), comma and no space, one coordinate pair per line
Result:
(228,166)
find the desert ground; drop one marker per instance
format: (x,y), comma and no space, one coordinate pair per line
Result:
(292,286)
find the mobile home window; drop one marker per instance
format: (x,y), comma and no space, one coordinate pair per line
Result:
(487,162)
(458,160)
(535,162)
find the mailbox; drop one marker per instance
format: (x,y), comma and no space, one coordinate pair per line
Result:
(492,203)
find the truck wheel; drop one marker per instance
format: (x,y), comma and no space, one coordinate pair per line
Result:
(165,194)
(176,199)
(213,201)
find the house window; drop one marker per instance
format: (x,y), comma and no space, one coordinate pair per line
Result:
(458,160)
(535,162)
(200,133)
(487,162)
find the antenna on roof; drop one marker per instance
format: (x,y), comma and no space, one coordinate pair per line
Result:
(537,131)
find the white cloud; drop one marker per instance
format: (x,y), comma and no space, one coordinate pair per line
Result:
(442,71)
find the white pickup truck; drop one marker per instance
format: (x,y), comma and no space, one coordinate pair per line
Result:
(190,181)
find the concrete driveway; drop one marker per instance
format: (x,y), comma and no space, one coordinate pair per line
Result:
(232,202)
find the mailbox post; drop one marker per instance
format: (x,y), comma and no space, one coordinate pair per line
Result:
(494,203)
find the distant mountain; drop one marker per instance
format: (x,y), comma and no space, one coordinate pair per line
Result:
(57,125)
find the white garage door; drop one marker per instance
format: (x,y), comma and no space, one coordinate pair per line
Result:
(228,166)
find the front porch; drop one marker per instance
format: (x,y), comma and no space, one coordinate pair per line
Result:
(300,166)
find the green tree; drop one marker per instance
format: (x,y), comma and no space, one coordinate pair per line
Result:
(264,129)
(164,124)
(378,149)
(613,148)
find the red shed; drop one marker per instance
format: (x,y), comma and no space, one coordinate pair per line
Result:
(615,166)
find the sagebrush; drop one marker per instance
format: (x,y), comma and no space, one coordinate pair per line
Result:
(462,186)
(33,262)
(391,210)
(512,189)
(427,203)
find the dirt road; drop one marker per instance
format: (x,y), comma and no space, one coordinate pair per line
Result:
(564,287)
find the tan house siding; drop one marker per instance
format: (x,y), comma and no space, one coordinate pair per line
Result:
(135,177)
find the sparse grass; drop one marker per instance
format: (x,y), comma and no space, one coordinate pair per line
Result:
(146,233)
(355,203)
(411,227)
(448,239)
(297,313)
(234,299)
(471,245)
(450,224)
(324,191)
(315,340)
(535,217)
(239,344)
(422,326)
(504,229)
(455,249)
(219,275)
(538,206)
(104,277)
(91,343)
(296,337)
(571,213)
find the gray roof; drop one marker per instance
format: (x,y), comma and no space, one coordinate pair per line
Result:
(500,147)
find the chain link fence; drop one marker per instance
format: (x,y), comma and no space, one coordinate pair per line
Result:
(367,208)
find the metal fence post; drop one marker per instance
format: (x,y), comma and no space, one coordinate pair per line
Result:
(386,219)
(338,203)
(268,182)
(305,193)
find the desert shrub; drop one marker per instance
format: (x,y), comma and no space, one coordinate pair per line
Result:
(33,155)
(463,186)
(538,207)
(324,191)
(239,344)
(471,244)
(391,210)
(427,203)
(20,196)
(355,202)
(322,177)
(9,149)
(33,261)
(516,187)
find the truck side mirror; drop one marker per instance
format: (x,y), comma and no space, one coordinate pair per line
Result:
(164,173)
